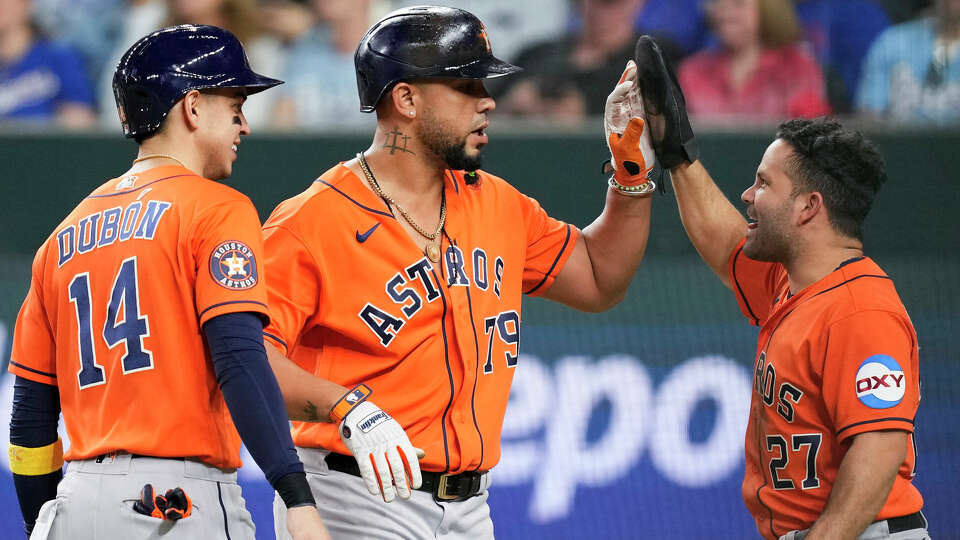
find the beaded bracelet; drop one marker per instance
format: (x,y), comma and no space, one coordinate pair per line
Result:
(639,190)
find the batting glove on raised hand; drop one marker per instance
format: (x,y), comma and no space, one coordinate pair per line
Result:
(624,125)
(387,461)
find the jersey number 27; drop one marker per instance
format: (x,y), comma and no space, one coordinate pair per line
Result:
(124,323)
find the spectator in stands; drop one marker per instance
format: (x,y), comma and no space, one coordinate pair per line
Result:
(286,20)
(139,18)
(903,10)
(756,69)
(512,25)
(39,80)
(912,73)
(321,82)
(569,78)
(680,21)
(89,26)
(841,32)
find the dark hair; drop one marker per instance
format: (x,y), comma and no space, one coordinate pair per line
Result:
(843,166)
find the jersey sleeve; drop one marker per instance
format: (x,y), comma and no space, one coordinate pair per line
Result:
(754,284)
(870,373)
(294,287)
(228,248)
(549,244)
(33,355)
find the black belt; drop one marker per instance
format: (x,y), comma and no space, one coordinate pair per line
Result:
(100,458)
(907,523)
(444,487)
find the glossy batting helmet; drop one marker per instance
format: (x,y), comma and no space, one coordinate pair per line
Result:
(162,67)
(423,41)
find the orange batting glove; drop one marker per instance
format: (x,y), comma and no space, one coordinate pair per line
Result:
(632,154)
(627,136)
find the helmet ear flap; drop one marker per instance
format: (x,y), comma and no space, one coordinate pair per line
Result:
(141,111)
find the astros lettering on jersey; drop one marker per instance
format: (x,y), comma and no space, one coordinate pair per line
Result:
(837,359)
(120,291)
(354,300)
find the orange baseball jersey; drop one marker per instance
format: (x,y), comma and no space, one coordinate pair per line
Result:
(354,300)
(113,316)
(837,359)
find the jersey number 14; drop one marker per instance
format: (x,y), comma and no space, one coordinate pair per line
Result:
(124,323)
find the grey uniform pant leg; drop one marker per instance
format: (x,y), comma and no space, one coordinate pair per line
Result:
(95,502)
(878,530)
(350,512)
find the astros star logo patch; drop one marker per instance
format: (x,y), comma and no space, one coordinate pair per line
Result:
(233,265)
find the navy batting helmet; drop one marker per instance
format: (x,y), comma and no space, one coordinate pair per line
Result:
(162,67)
(423,41)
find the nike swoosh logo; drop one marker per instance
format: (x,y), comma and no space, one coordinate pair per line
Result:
(363,237)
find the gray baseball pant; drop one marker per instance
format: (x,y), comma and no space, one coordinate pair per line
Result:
(95,501)
(350,512)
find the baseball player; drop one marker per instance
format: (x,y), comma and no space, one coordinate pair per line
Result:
(124,294)
(830,451)
(396,281)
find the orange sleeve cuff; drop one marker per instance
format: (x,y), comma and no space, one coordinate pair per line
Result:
(878,424)
(276,340)
(557,267)
(234,306)
(32,374)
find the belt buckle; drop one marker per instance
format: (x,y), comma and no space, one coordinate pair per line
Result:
(442,489)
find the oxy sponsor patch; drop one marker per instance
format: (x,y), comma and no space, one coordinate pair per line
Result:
(880,382)
(233,265)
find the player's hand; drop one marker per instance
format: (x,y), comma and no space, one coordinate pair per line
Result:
(630,146)
(623,103)
(387,461)
(304,523)
(665,109)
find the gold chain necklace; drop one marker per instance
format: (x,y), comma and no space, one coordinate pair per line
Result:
(433,248)
(153,156)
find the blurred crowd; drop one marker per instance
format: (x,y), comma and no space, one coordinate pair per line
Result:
(737,60)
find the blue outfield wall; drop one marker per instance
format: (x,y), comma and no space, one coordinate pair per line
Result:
(629,431)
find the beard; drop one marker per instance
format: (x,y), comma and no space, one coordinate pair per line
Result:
(771,241)
(440,140)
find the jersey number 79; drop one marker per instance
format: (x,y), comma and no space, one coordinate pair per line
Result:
(128,326)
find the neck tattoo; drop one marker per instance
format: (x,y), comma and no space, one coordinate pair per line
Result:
(396,141)
(433,247)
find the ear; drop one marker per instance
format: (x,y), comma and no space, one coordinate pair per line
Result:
(810,206)
(403,97)
(191,109)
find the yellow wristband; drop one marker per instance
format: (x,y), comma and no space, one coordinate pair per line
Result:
(36,461)
(357,395)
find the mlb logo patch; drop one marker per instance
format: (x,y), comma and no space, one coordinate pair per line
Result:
(233,265)
(126,182)
(880,382)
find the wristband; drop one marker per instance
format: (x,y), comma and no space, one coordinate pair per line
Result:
(294,490)
(38,461)
(357,395)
